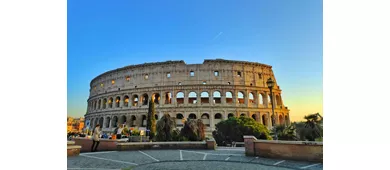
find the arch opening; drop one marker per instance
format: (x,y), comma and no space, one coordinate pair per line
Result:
(205,119)
(204,97)
(168,98)
(192,116)
(117,100)
(217,97)
(180,98)
(126,101)
(192,98)
(114,122)
(229,97)
(156,98)
(107,125)
(240,98)
(133,119)
(264,120)
(143,121)
(135,100)
(251,98)
(145,99)
(110,102)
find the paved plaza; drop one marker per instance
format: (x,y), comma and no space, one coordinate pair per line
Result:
(222,158)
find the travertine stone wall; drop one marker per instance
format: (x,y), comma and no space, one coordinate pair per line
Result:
(118,96)
(291,150)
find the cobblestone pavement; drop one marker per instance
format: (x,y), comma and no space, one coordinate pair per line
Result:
(222,158)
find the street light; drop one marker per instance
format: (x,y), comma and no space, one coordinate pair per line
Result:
(270,84)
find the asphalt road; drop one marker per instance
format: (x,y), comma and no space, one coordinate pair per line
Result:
(222,158)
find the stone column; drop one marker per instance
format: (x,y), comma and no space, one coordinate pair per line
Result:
(223,97)
(174,97)
(162,98)
(266,102)
(128,120)
(234,97)
(186,95)
(212,126)
(211,97)
(198,97)
(140,120)
(121,101)
(246,98)
(274,100)
(260,118)
(110,125)
(269,120)
(104,123)
(281,101)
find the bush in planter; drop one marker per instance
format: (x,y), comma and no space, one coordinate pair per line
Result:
(135,132)
(165,128)
(125,131)
(193,130)
(234,129)
(177,137)
(286,132)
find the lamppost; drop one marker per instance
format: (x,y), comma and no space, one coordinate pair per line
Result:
(270,84)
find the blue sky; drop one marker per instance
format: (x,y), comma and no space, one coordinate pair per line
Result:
(287,34)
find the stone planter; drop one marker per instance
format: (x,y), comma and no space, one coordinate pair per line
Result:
(138,138)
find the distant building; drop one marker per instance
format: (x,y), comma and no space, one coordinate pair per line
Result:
(75,124)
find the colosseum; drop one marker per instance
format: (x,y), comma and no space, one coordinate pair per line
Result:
(212,91)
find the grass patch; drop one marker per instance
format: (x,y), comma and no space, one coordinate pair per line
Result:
(129,168)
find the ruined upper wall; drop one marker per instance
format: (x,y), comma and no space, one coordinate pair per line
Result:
(252,74)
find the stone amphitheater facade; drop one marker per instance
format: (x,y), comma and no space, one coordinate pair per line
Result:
(212,91)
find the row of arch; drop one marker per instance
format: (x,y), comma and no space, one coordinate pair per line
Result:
(180,97)
(118,120)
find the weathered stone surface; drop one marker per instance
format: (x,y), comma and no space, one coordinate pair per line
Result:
(104,145)
(292,150)
(127,83)
(73,150)
(161,145)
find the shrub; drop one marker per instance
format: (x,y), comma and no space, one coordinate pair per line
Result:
(165,128)
(193,130)
(135,132)
(234,129)
(125,131)
(201,129)
(177,137)
(286,132)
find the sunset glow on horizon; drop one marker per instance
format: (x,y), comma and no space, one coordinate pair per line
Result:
(287,35)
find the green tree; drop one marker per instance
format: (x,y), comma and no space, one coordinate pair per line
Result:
(165,128)
(151,120)
(234,129)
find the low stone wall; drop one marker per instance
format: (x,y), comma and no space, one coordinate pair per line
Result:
(138,138)
(293,150)
(73,150)
(166,145)
(104,145)
(70,143)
